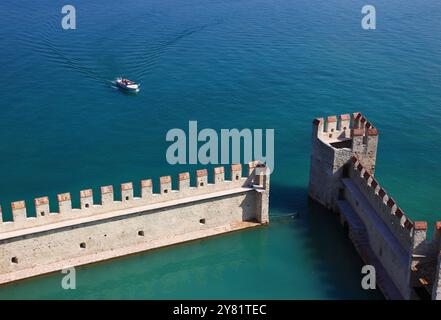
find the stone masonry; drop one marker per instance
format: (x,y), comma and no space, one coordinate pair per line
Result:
(52,241)
(342,169)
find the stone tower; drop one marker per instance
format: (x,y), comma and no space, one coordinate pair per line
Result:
(334,142)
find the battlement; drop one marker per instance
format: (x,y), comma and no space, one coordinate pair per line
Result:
(343,160)
(335,139)
(44,216)
(111,228)
(351,132)
(400,225)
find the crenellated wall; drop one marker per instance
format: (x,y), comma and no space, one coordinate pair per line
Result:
(97,231)
(334,142)
(389,233)
(382,203)
(342,178)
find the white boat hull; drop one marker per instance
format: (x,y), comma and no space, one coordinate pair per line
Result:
(129,87)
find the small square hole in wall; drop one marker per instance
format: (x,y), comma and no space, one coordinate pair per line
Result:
(83,245)
(127,198)
(86,205)
(42,213)
(201,184)
(237,177)
(165,190)
(202,221)
(344,128)
(14,260)
(330,135)
(332,130)
(141,233)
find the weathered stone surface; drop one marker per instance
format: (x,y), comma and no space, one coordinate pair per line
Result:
(95,232)
(342,171)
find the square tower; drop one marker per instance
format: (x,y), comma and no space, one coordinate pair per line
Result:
(334,141)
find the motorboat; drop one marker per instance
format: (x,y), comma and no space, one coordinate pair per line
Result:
(127,84)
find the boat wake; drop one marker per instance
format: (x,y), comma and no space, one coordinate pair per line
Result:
(111,56)
(151,54)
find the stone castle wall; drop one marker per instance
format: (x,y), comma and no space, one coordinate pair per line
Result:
(383,204)
(74,236)
(334,142)
(389,235)
(343,160)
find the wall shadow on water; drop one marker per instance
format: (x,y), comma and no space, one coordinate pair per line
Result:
(328,252)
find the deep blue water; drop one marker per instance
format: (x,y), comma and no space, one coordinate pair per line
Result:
(227,64)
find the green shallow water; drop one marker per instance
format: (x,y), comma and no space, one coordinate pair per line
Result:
(227,64)
(291,258)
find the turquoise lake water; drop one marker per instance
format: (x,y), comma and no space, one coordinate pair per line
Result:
(227,64)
